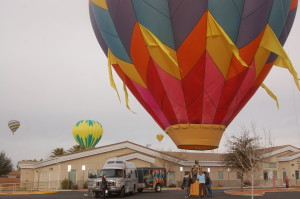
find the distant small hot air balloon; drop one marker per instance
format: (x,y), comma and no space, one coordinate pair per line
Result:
(160,137)
(87,133)
(13,125)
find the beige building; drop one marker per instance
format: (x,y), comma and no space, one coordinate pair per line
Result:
(283,161)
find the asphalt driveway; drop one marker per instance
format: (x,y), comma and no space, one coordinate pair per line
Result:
(166,194)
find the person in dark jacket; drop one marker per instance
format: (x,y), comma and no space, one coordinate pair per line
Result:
(186,182)
(208,183)
(104,185)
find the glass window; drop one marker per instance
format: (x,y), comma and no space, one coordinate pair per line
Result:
(238,175)
(270,165)
(92,173)
(220,175)
(266,175)
(72,176)
(172,177)
(111,173)
(297,175)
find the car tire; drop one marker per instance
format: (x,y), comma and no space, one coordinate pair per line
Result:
(122,193)
(158,188)
(140,190)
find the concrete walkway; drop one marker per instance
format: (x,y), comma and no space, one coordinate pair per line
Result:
(259,192)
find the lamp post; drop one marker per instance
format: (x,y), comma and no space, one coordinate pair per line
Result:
(69,170)
(181,170)
(228,169)
(83,169)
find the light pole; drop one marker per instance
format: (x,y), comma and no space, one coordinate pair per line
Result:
(181,170)
(83,169)
(69,170)
(228,169)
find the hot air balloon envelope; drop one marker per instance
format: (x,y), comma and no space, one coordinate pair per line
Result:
(13,125)
(193,65)
(87,133)
(160,137)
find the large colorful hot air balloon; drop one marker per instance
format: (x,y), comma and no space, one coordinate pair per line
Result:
(193,65)
(159,137)
(87,133)
(13,125)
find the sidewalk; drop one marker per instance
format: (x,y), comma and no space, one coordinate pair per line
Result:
(260,192)
(27,192)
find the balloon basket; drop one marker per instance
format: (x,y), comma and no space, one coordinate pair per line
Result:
(196,136)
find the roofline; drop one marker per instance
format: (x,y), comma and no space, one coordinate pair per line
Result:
(103,149)
(287,148)
(288,158)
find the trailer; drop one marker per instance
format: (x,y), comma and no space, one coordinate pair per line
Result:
(151,178)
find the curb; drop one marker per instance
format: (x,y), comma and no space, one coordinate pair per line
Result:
(29,193)
(238,194)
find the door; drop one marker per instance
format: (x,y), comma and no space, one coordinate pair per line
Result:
(283,177)
(72,176)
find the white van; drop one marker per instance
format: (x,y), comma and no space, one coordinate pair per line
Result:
(121,176)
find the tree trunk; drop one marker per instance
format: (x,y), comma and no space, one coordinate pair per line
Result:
(252,184)
(242,182)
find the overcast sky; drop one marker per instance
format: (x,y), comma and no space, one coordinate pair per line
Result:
(54,73)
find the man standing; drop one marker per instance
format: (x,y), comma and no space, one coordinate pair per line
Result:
(187,180)
(202,188)
(208,184)
(104,185)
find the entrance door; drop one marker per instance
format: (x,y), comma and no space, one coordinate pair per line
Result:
(283,177)
(72,176)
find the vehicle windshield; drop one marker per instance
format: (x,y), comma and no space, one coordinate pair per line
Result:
(111,173)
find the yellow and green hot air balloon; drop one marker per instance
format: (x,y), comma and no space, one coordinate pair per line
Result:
(159,137)
(87,133)
(13,125)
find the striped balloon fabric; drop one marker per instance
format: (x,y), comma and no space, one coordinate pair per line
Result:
(194,64)
(87,133)
(13,125)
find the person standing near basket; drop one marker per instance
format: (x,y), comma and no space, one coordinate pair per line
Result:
(202,188)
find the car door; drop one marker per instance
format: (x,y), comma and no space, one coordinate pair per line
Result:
(92,176)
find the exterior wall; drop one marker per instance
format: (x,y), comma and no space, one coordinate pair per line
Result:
(50,177)
(26,175)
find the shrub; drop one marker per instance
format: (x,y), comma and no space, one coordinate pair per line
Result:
(247,183)
(75,187)
(66,184)
(172,185)
(85,185)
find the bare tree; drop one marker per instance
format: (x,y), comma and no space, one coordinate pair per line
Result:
(246,154)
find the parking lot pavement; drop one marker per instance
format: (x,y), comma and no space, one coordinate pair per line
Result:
(166,194)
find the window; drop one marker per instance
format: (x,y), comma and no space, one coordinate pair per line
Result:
(220,175)
(270,165)
(92,173)
(297,175)
(238,175)
(172,177)
(266,176)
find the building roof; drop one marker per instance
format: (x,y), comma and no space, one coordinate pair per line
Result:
(198,156)
(183,158)
(14,173)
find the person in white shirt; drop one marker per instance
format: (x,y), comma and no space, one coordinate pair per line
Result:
(202,188)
